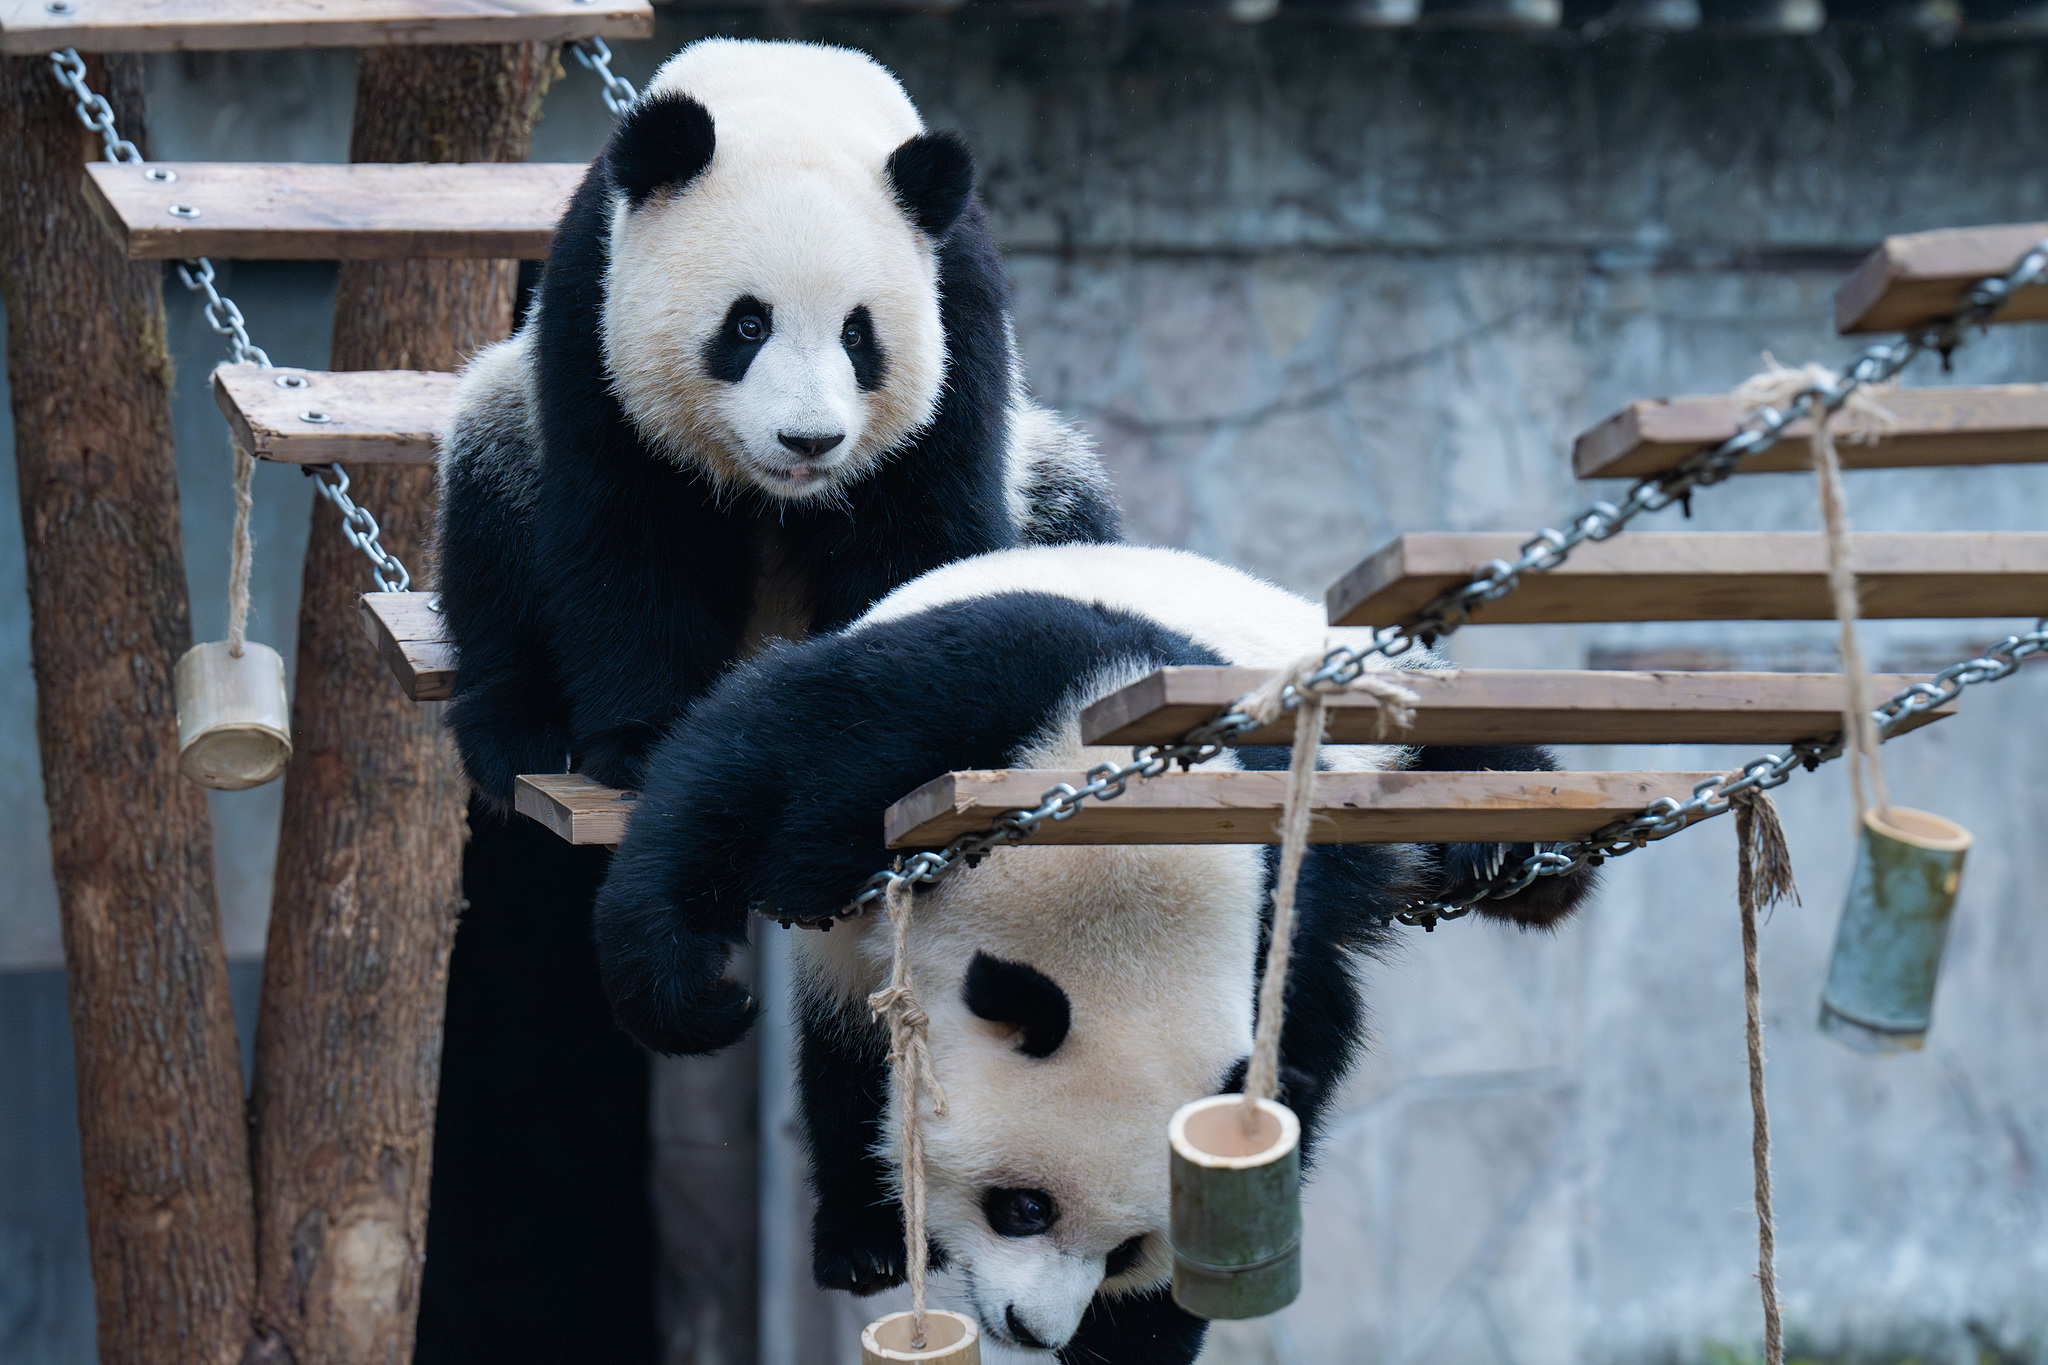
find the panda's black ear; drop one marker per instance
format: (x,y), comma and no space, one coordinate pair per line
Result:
(931,176)
(664,141)
(1021,997)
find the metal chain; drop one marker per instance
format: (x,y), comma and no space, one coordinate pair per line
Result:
(596,56)
(1541,553)
(226,319)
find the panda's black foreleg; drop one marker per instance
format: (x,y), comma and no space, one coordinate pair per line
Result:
(1135,1329)
(1459,868)
(843,1082)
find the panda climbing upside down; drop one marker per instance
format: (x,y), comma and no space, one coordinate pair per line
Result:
(768,376)
(1077,995)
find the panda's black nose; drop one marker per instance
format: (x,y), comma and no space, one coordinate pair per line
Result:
(810,447)
(1024,1335)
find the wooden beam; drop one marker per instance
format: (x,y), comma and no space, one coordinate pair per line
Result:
(35,26)
(163,1139)
(2001,424)
(1920,277)
(411,637)
(271,211)
(574,807)
(1511,706)
(325,417)
(1244,808)
(1708,576)
(369,881)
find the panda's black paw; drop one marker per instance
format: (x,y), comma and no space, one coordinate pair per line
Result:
(618,760)
(858,1248)
(1543,902)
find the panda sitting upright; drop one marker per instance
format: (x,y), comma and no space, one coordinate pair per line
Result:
(767,377)
(1077,995)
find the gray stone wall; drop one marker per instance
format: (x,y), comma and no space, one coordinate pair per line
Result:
(1308,288)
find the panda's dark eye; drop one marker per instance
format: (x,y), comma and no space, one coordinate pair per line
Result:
(750,328)
(852,337)
(1124,1257)
(1020,1213)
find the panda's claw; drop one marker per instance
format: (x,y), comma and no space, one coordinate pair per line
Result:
(861,1253)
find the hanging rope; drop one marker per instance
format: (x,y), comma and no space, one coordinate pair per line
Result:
(1396,711)
(1862,418)
(910,1062)
(240,556)
(1763,878)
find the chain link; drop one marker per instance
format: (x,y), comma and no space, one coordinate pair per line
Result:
(360,527)
(596,56)
(226,319)
(1876,364)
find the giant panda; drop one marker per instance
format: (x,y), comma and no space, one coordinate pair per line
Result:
(767,376)
(1077,995)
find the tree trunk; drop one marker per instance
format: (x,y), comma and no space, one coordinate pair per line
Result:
(370,855)
(159,1086)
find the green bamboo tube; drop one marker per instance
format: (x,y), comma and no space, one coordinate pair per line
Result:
(949,1339)
(1879,995)
(1236,1220)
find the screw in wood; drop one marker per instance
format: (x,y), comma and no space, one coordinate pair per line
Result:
(183,211)
(314,415)
(60,6)
(292,381)
(162,175)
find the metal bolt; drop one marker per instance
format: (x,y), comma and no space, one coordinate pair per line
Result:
(293,381)
(314,415)
(163,175)
(183,211)
(60,6)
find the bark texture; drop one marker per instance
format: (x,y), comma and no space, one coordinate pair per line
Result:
(159,1085)
(370,857)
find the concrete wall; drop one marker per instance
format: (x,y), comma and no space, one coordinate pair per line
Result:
(1309,288)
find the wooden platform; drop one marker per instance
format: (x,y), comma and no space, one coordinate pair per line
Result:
(1244,808)
(2002,424)
(1511,706)
(1204,807)
(1708,576)
(280,211)
(29,26)
(320,417)
(1920,277)
(412,640)
(574,807)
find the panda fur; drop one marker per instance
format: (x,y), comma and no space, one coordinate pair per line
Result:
(768,376)
(1077,995)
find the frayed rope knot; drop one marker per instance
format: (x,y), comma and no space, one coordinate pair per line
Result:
(1860,420)
(910,1059)
(1395,703)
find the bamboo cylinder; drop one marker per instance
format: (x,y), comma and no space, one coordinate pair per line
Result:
(234,716)
(949,1339)
(1236,1221)
(1879,996)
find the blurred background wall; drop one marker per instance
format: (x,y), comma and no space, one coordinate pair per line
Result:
(1309,286)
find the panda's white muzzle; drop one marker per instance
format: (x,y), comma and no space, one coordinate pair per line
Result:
(798,416)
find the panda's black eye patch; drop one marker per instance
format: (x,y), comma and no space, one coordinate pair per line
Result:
(1020,1213)
(1124,1257)
(857,335)
(1022,997)
(733,346)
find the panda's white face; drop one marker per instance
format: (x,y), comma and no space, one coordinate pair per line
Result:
(774,325)
(1121,979)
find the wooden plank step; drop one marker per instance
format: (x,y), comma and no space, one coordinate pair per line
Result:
(1920,277)
(288,211)
(1999,424)
(1511,706)
(1202,807)
(1707,576)
(28,27)
(1244,808)
(412,639)
(574,807)
(321,417)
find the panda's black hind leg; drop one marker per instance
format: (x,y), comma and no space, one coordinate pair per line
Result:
(857,1231)
(1135,1329)
(1461,868)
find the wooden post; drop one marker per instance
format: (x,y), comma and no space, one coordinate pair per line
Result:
(159,1087)
(370,854)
